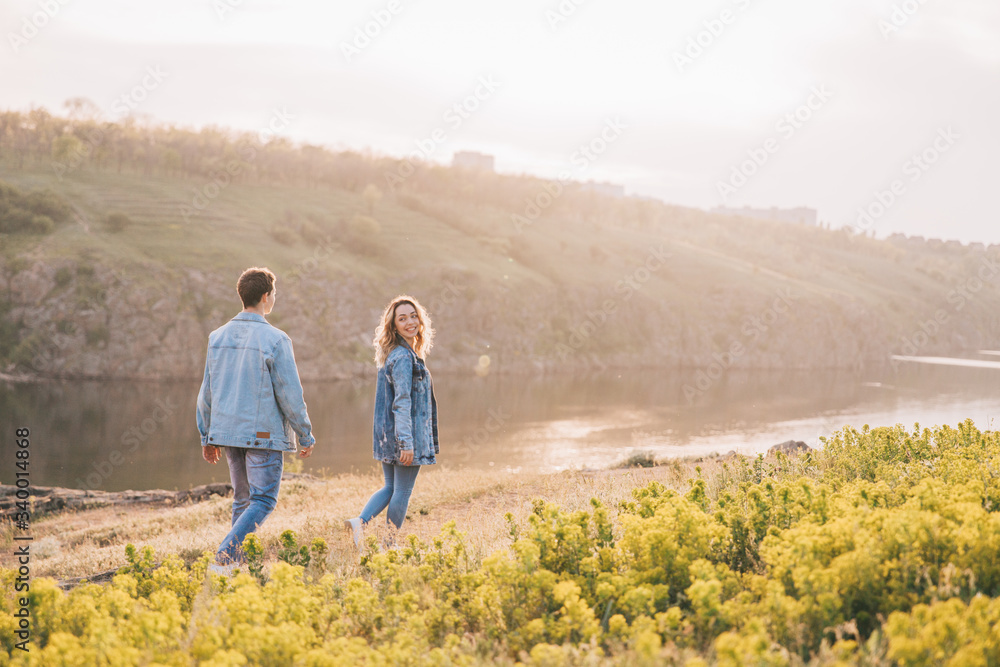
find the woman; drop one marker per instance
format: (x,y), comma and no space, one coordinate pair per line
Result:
(405,433)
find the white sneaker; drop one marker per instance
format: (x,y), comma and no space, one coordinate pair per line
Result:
(357,528)
(224,570)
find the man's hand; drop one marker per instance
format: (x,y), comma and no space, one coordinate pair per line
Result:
(211,453)
(306,452)
(406,456)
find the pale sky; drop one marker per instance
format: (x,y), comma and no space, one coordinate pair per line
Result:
(924,81)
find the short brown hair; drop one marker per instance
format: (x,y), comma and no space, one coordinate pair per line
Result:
(253,284)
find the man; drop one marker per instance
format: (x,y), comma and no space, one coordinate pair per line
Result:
(251,406)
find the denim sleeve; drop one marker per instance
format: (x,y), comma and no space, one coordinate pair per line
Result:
(288,391)
(401,372)
(204,408)
(434,421)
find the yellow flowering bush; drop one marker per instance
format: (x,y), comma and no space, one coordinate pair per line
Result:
(880,547)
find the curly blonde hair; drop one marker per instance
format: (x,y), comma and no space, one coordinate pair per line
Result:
(386,336)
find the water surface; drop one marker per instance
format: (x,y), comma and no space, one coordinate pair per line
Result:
(142,435)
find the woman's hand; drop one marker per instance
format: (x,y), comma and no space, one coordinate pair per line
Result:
(406,457)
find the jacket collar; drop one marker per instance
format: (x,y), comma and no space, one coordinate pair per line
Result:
(402,342)
(252,317)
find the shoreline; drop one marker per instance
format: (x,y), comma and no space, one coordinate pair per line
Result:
(546,370)
(51,501)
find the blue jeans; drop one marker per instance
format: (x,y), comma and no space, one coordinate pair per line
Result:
(395,495)
(256,477)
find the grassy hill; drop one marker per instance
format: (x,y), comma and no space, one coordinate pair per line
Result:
(591,281)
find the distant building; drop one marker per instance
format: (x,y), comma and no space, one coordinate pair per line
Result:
(605,188)
(472,160)
(800,214)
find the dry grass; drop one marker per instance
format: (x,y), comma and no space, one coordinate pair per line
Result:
(84,543)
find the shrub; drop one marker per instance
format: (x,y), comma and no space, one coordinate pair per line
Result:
(14,219)
(37,212)
(49,204)
(63,276)
(312,233)
(254,552)
(42,224)
(117,222)
(967,633)
(89,291)
(9,328)
(641,459)
(26,352)
(363,235)
(312,557)
(98,334)
(283,235)
(771,563)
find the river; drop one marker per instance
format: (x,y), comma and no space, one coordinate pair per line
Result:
(141,435)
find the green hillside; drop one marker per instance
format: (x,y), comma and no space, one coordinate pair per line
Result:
(590,281)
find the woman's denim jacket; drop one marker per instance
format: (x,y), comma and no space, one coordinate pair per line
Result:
(405,409)
(251,395)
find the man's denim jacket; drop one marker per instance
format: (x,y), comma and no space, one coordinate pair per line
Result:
(251,395)
(405,409)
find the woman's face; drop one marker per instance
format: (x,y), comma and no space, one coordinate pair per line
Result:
(407,322)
